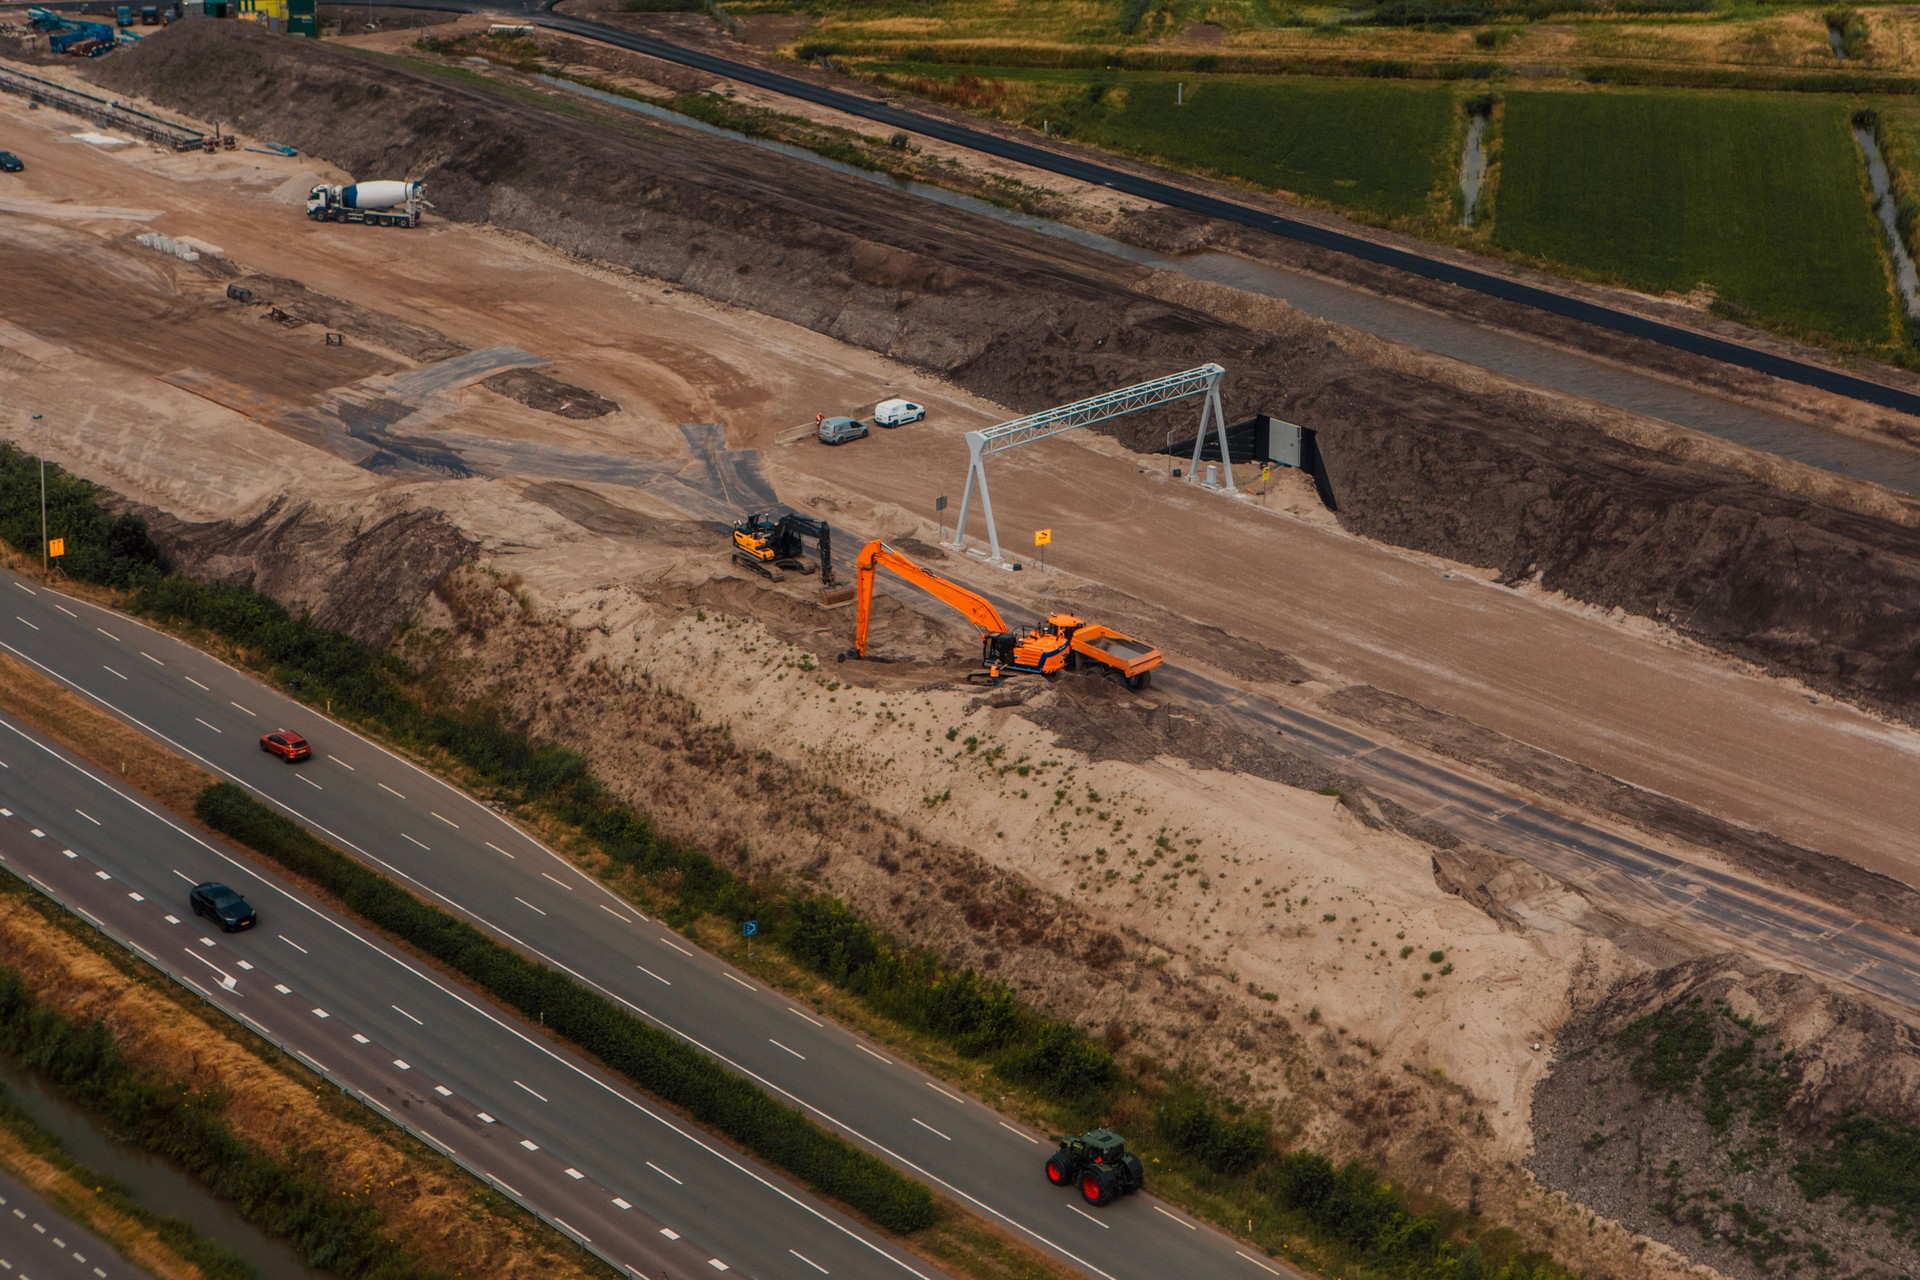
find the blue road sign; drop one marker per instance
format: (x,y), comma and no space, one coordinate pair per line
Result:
(750,928)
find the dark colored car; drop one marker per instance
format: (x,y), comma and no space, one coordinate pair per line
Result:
(10,163)
(222,906)
(286,744)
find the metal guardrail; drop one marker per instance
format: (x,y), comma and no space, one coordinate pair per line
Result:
(373,1104)
(166,133)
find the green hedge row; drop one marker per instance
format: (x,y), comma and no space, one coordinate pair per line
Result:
(101,547)
(656,1061)
(334,1233)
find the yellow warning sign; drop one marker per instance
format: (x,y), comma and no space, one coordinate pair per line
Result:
(1041,537)
(57,547)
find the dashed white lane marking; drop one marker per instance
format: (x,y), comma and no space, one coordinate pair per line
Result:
(651,974)
(677,947)
(343,764)
(1016,1133)
(244,965)
(449,821)
(483,1117)
(615,914)
(574,1173)
(669,1177)
(37,833)
(290,942)
(669,1233)
(796,1013)
(422,844)
(110,671)
(535,1092)
(1256,1262)
(150,658)
(562,883)
(310,782)
(18,618)
(237,706)
(409,1017)
(136,897)
(718,1265)
(171,919)
(321,1013)
(403,1064)
(930,1129)
(30,591)
(809,1261)
(207,942)
(386,788)
(742,981)
(871,1054)
(283,988)
(195,683)
(1089,1217)
(6,813)
(621,1204)
(795,1052)
(102,875)
(496,848)
(572,1230)
(70,613)
(943,1093)
(1176,1217)
(443,1091)
(528,905)
(177,871)
(108,634)
(529,1144)
(216,728)
(360,1039)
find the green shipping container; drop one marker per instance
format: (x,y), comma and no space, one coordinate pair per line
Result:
(300,19)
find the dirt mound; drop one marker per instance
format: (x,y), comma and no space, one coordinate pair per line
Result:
(1751,1119)
(548,394)
(368,579)
(1797,584)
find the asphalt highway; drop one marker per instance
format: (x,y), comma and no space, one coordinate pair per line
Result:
(461,853)
(563,1137)
(38,1243)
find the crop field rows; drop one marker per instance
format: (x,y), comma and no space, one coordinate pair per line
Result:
(1754,202)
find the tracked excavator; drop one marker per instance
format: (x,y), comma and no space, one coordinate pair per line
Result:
(1065,641)
(766,542)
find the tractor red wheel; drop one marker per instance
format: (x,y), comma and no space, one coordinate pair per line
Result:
(1096,1186)
(1056,1171)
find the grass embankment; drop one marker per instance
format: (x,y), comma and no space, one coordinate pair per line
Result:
(1759,198)
(1200,1148)
(1371,147)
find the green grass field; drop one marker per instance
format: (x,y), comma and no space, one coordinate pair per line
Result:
(1759,197)
(1371,147)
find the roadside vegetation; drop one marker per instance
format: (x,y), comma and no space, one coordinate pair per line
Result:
(1202,1149)
(1760,198)
(1368,146)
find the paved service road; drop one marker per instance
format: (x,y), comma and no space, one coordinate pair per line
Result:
(462,854)
(564,1137)
(37,1243)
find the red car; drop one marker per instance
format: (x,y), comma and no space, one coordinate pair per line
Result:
(286,744)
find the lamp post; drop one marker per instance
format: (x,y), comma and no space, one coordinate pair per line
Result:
(45,566)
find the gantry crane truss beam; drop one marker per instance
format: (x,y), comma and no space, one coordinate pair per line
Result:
(1203,381)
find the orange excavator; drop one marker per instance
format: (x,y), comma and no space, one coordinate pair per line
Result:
(1063,642)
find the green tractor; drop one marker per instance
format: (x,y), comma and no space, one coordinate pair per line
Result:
(1100,1163)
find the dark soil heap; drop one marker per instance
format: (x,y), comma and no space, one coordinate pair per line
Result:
(1794,583)
(1753,1120)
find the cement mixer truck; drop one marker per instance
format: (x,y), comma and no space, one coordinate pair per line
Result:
(382,204)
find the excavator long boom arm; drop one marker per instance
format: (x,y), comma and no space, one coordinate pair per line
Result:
(878,555)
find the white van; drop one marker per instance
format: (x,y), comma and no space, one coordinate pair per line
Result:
(896,413)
